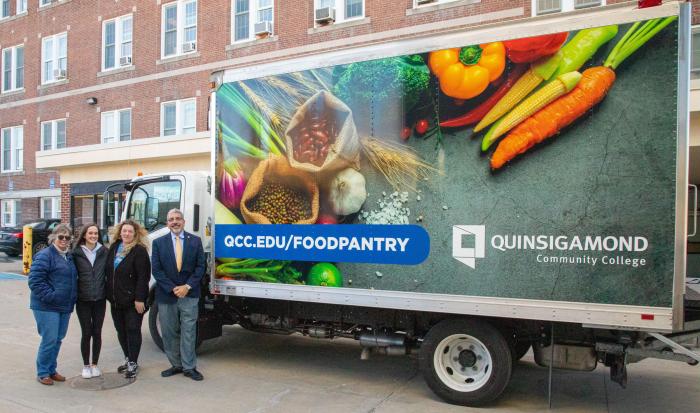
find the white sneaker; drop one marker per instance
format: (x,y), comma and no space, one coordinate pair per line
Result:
(87,372)
(95,371)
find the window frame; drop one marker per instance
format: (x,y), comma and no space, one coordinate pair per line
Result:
(14,211)
(179,117)
(252,20)
(55,57)
(13,69)
(118,41)
(179,27)
(432,3)
(44,3)
(16,151)
(339,6)
(55,207)
(565,6)
(694,71)
(54,134)
(116,125)
(19,3)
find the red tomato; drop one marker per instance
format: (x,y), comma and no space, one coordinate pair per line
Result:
(421,126)
(326,219)
(405,133)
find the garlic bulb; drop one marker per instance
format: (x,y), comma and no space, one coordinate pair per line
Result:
(347,192)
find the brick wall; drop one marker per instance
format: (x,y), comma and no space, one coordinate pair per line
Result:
(65,203)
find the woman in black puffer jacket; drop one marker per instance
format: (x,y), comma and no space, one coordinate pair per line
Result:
(90,257)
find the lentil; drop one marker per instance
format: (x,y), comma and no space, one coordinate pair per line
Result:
(281,204)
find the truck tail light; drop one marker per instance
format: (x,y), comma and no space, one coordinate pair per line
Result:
(649,317)
(648,3)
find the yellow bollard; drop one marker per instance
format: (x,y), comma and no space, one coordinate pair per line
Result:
(27,248)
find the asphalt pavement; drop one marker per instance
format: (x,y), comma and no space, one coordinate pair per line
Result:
(256,373)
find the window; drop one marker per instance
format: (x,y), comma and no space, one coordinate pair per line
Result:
(4,8)
(553,6)
(179,28)
(53,134)
(44,2)
(12,149)
(51,207)
(248,12)
(12,68)
(418,3)
(116,126)
(344,9)
(149,203)
(116,42)
(178,117)
(11,212)
(54,58)
(695,58)
(21,6)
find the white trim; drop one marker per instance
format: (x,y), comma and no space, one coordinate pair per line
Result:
(54,133)
(252,19)
(16,208)
(339,6)
(55,207)
(13,68)
(621,316)
(9,13)
(179,27)
(16,148)
(565,6)
(56,55)
(30,193)
(116,125)
(118,42)
(438,5)
(19,3)
(180,125)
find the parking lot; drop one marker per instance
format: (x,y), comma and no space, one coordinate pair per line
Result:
(249,372)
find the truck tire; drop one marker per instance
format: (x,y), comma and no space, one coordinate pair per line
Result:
(154,328)
(466,361)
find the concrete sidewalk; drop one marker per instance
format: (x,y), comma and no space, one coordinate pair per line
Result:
(249,372)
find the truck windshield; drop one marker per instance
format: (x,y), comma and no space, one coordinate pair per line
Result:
(150,203)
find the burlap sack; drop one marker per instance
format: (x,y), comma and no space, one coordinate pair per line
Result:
(344,152)
(276,169)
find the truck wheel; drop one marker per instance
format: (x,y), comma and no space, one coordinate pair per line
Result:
(154,328)
(466,361)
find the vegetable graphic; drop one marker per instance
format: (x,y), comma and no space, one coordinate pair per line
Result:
(563,85)
(422,126)
(259,270)
(593,87)
(465,73)
(529,49)
(478,112)
(538,73)
(224,215)
(232,186)
(570,58)
(324,274)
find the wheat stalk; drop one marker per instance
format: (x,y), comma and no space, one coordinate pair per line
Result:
(400,165)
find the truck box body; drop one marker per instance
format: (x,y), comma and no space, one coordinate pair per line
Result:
(587,227)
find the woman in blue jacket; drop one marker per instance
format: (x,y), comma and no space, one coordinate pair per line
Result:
(53,281)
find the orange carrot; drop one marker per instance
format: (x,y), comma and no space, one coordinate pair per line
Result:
(591,89)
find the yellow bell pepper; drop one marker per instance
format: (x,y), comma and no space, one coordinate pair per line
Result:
(466,72)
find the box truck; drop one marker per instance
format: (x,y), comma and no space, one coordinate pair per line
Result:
(465,196)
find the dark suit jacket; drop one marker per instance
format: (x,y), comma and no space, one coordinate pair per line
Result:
(165,268)
(129,281)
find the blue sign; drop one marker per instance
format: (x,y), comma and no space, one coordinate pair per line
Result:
(378,244)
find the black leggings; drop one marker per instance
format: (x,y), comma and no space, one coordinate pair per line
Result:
(91,315)
(128,324)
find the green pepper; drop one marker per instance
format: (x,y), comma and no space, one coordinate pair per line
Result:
(582,47)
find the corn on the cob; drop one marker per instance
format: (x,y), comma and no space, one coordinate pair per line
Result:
(538,73)
(558,88)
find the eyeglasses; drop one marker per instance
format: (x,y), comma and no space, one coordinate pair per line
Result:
(64,237)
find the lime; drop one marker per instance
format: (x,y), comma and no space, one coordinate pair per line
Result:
(324,274)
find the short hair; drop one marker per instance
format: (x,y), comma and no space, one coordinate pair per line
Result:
(59,229)
(176,211)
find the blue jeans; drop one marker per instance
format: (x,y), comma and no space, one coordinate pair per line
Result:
(52,327)
(178,325)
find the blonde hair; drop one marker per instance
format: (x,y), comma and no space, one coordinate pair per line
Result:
(59,229)
(140,235)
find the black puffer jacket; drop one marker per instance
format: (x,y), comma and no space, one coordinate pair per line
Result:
(91,278)
(129,281)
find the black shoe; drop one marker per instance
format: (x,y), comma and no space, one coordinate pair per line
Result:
(194,375)
(121,369)
(171,371)
(131,370)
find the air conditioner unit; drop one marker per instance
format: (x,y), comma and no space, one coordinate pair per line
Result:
(125,61)
(262,28)
(325,15)
(421,2)
(59,74)
(189,47)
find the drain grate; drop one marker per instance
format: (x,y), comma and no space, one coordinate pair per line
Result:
(106,381)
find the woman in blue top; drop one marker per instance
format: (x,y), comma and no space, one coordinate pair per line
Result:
(53,281)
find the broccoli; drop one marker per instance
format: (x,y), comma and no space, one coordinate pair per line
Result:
(404,78)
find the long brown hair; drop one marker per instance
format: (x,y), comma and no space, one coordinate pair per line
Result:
(83,231)
(140,235)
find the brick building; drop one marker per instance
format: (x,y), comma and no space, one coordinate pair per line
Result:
(94,91)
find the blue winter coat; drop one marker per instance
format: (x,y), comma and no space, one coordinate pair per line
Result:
(53,280)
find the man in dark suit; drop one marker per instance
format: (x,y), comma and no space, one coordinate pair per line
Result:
(178,267)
